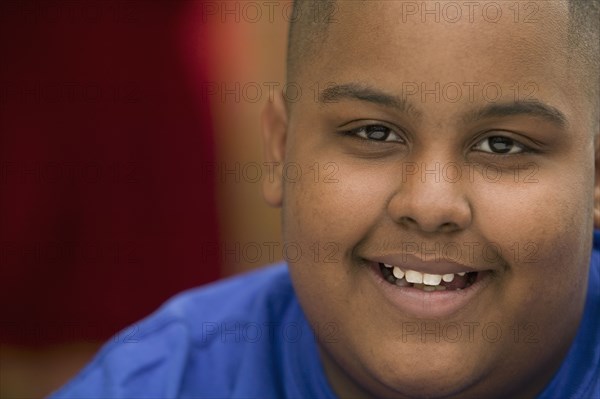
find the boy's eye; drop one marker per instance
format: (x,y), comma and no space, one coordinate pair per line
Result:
(376,133)
(499,145)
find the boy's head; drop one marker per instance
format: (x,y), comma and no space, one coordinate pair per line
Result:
(442,138)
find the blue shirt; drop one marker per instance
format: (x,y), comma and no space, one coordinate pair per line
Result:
(247,337)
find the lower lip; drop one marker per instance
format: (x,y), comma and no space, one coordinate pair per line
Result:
(423,304)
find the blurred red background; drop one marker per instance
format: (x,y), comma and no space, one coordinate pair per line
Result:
(110,201)
(103,197)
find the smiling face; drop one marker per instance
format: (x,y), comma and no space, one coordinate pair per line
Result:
(441,149)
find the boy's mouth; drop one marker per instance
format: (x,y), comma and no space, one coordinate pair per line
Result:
(428,282)
(424,289)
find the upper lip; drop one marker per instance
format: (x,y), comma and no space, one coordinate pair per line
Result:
(436,266)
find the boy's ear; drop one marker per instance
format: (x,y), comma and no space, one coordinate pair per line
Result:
(274,131)
(597,184)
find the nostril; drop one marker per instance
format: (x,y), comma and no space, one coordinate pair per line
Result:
(407,220)
(449,226)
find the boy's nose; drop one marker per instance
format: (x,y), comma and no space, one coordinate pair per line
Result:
(431,203)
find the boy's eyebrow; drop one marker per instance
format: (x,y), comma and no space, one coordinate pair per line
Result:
(534,108)
(356,91)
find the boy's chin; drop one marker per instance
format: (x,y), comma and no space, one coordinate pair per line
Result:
(433,375)
(431,371)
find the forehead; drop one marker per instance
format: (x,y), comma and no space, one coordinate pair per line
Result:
(468,36)
(519,47)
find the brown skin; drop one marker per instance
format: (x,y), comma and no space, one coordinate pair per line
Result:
(371,209)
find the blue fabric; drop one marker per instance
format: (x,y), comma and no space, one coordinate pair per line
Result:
(247,337)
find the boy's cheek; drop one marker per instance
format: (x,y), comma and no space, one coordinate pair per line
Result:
(335,201)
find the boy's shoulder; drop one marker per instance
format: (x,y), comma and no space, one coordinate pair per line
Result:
(213,341)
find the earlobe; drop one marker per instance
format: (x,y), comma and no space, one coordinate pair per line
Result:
(274,130)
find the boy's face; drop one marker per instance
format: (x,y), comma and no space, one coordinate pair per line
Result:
(448,174)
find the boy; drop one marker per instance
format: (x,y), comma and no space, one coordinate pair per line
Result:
(444,247)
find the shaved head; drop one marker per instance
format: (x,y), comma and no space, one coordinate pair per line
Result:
(584,42)
(308,33)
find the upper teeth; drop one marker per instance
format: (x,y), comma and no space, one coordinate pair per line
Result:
(415,277)
(398,273)
(432,279)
